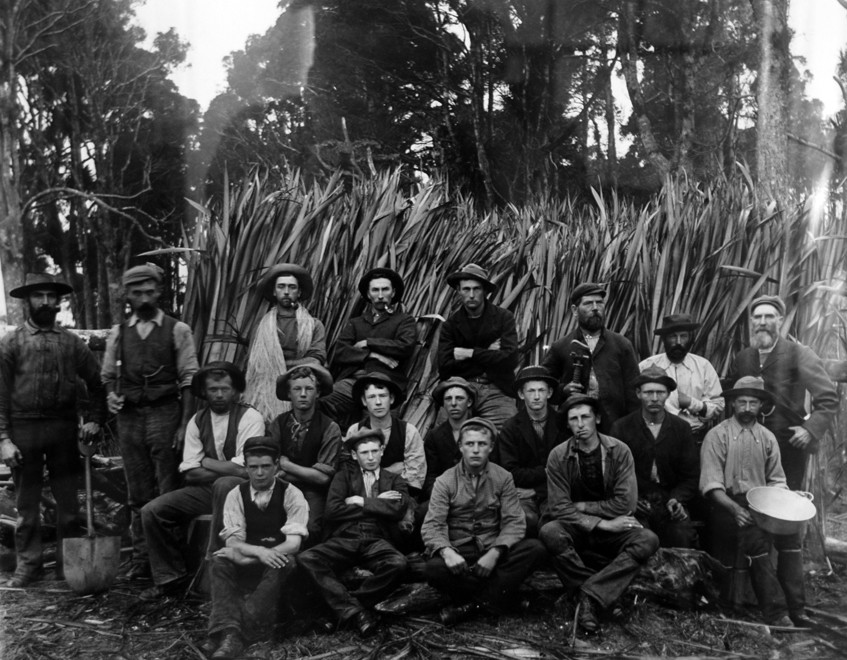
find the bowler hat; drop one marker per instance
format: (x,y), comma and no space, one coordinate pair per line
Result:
(381,380)
(655,374)
(304,280)
(322,376)
(142,273)
(41,281)
(676,323)
(472,272)
(354,439)
(479,421)
(587,289)
(454,381)
(776,301)
(535,372)
(748,386)
(261,445)
(392,275)
(579,400)
(198,381)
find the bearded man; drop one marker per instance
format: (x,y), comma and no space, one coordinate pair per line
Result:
(789,371)
(40,365)
(287,336)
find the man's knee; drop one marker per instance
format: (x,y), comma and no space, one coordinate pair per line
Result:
(643,545)
(555,537)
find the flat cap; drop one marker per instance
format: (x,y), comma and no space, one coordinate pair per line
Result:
(776,301)
(587,289)
(261,445)
(479,421)
(142,273)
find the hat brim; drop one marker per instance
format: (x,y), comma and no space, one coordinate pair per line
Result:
(323,377)
(439,392)
(360,385)
(268,281)
(363,435)
(60,288)
(198,381)
(736,392)
(667,381)
(552,382)
(453,280)
(682,327)
(394,277)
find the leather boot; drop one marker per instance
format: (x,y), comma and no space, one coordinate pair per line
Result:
(766,587)
(789,572)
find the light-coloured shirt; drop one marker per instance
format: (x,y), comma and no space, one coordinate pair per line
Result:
(296,509)
(735,459)
(250,425)
(186,354)
(414,459)
(370,477)
(695,376)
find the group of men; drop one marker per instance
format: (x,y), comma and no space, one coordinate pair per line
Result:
(589,454)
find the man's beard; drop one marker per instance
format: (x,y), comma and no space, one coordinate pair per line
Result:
(593,323)
(762,339)
(146,311)
(43,316)
(746,417)
(677,352)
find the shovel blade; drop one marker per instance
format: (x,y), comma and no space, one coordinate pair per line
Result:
(91,563)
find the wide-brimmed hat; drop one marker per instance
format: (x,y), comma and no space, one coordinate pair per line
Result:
(380,379)
(142,273)
(748,386)
(587,289)
(454,381)
(581,399)
(655,374)
(261,444)
(776,301)
(322,376)
(268,281)
(41,281)
(479,421)
(198,381)
(677,323)
(392,275)
(472,272)
(353,440)
(535,372)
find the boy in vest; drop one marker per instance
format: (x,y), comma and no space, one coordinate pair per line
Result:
(147,369)
(212,456)
(264,525)
(309,441)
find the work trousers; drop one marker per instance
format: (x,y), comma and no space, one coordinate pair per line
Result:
(626,552)
(493,591)
(146,435)
(165,520)
(339,405)
(246,597)
(50,442)
(359,545)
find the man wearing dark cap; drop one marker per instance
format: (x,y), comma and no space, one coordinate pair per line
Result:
(147,369)
(474,530)
(790,370)
(404,449)
(309,441)
(479,343)
(738,455)
(381,339)
(211,460)
(697,397)
(592,493)
(287,336)
(527,439)
(363,506)
(264,528)
(667,462)
(41,364)
(606,362)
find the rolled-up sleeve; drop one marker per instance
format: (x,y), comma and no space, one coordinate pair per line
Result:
(414,458)
(297,510)
(235,526)
(193,451)
(327,460)
(186,354)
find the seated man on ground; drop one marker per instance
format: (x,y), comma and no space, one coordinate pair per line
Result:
(211,459)
(264,526)
(592,492)
(737,455)
(667,463)
(309,441)
(474,530)
(361,508)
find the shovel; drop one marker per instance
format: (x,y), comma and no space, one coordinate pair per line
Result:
(91,563)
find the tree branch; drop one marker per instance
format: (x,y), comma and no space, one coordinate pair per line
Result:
(811,145)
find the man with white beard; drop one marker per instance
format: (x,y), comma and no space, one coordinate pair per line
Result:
(789,370)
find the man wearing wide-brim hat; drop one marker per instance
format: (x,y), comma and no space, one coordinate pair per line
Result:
(212,465)
(790,371)
(697,397)
(592,359)
(527,439)
(310,442)
(479,343)
(737,455)
(40,366)
(381,339)
(286,336)
(148,365)
(404,448)
(667,461)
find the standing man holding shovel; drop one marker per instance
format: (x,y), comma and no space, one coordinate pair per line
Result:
(40,367)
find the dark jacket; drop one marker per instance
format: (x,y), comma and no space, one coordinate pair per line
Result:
(392,335)
(675,453)
(442,453)
(615,366)
(339,515)
(498,366)
(520,451)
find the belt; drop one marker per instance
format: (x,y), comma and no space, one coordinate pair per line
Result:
(157,403)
